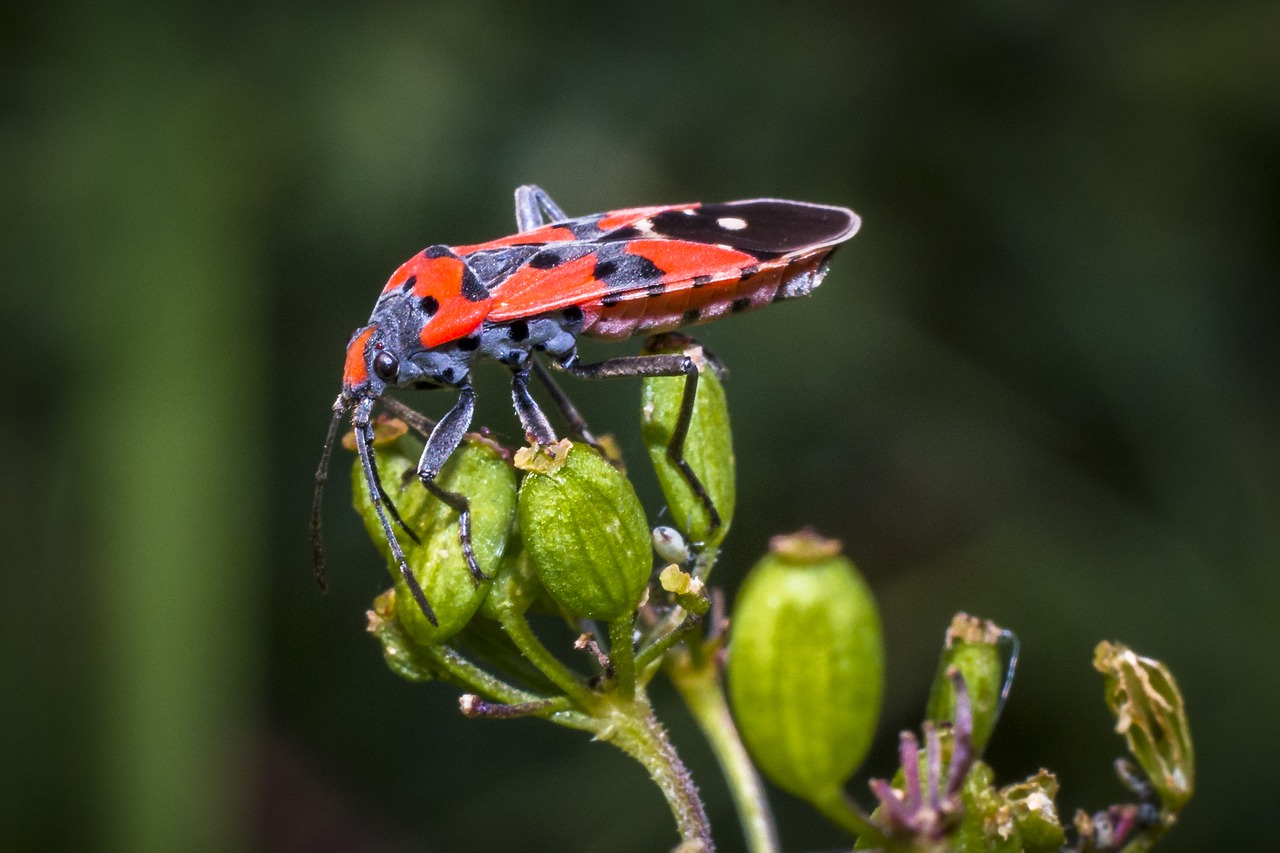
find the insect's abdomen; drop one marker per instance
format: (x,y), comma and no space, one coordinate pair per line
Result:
(643,314)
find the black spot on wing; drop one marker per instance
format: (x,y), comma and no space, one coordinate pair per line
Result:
(409,283)
(620,270)
(433,252)
(766,228)
(546,259)
(472,289)
(742,303)
(628,232)
(429,305)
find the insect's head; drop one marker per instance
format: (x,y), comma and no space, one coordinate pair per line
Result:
(380,356)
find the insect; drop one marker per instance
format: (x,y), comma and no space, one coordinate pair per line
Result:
(524,299)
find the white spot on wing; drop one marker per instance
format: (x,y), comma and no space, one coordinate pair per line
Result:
(731,223)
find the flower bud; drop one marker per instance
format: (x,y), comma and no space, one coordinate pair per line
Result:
(586,534)
(708,446)
(972,648)
(1149,713)
(476,470)
(806,665)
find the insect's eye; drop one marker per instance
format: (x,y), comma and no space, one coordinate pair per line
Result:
(386,366)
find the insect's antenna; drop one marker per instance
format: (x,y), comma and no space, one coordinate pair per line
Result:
(340,408)
(364,445)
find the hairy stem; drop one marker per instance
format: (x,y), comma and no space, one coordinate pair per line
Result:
(700,688)
(634,729)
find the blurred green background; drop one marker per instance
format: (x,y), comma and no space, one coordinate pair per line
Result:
(1040,385)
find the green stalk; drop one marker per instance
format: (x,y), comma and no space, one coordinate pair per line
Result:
(634,729)
(517,628)
(702,694)
(622,655)
(836,806)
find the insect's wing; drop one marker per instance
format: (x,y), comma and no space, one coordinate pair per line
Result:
(651,252)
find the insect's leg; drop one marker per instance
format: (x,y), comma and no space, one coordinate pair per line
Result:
(534,208)
(364,446)
(417,421)
(577,423)
(536,426)
(661,365)
(444,439)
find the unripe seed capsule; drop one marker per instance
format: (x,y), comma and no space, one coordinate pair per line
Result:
(708,446)
(1147,704)
(586,535)
(806,665)
(972,646)
(475,470)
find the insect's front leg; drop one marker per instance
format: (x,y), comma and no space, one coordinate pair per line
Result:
(441,444)
(532,418)
(661,365)
(534,208)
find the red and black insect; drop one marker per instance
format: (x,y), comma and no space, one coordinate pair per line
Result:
(525,299)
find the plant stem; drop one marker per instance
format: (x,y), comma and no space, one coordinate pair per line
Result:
(837,808)
(517,628)
(668,635)
(633,729)
(700,688)
(623,656)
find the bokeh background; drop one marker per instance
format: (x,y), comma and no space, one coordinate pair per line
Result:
(1040,385)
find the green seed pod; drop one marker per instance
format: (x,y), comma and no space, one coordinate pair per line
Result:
(806,665)
(397,648)
(708,447)
(1147,704)
(586,534)
(972,646)
(477,470)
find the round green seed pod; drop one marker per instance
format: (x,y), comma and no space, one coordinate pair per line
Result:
(475,470)
(806,665)
(708,446)
(586,534)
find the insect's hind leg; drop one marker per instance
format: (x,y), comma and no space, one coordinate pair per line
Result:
(577,423)
(534,208)
(661,364)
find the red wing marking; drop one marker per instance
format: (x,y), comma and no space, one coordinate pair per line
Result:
(545,234)
(532,291)
(682,261)
(623,218)
(684,265)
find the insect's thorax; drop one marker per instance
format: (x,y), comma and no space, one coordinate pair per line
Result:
(401,323)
